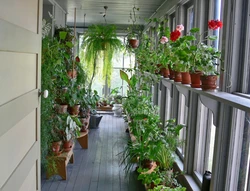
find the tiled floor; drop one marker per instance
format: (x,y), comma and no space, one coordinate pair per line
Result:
(97,168)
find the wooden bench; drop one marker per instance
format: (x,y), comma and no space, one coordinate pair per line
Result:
(57,164)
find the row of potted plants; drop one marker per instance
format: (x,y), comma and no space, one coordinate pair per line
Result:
(65,112)
(152,146)
(180,57)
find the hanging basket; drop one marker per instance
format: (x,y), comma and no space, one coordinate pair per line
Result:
(134,43)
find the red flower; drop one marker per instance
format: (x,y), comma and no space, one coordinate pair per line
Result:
(175,35)
(214,24)
(77,59)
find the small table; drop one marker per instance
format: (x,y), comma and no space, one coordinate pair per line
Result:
(83,139)
(58,164)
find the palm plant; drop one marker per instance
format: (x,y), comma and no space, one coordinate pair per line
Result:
(100,41)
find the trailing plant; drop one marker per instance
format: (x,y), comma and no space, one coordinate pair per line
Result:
(99,45)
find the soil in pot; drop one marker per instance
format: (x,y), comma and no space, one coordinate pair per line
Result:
(134,43)
(177,76)
(185,76)
(208,82)
(195,79)
(74,110)
(67,146)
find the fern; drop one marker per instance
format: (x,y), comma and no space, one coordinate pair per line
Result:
(100,41)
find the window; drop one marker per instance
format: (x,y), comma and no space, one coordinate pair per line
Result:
(172,22)
(205,137)
(120,60)
(190,18)
(182,119)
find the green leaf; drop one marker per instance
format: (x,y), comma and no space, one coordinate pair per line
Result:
(193,48)
(190,38)
(212,37)
(62,35)
(194,30)
(124,77)
(133,81)
(69,44)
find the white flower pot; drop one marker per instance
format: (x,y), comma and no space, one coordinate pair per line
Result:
(117,109)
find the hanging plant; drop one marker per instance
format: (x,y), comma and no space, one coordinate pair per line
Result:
(100,41)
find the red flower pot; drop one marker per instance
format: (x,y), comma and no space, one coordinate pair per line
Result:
(171,73)
(147,164)
(72,73)
(177,76)
(164,72)
(208,82)
(185,78)
(62,109)
(56,147)
(74,110)
(195,79)
(67,146)
(134,43)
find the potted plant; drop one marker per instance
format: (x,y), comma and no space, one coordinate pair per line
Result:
(100,41)
(133,35)
(205,58)
(71,129)
(73,96)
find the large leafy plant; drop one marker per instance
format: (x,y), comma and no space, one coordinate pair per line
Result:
(99,45)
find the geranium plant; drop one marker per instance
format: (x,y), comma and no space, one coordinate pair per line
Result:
(205,57)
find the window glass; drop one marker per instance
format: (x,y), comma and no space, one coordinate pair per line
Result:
(190,18)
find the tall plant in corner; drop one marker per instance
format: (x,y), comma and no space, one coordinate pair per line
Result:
(99,45)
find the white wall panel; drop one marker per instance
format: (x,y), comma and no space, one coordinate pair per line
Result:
(18,71)
(14,147)
(30,181)
(27,9)
(59,17)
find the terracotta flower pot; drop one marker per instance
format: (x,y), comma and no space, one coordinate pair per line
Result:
(164,72)
(56,147)
(67,146)
(171,73)
(147,164)
(185,76)
(134,43)
(72,73)
(74,110)
(195,79)
(62,109)
(177,76)
(208,82)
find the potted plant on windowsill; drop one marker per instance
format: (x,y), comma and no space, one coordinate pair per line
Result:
(205,58)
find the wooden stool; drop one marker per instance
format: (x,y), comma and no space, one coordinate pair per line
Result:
(83,139)
(61,162)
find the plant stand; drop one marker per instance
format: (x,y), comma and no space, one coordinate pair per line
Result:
(61,163)
(83,139)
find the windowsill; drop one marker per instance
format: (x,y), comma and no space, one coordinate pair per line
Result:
(235,101)
(186,180)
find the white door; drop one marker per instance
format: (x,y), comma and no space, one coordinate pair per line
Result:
(20,45)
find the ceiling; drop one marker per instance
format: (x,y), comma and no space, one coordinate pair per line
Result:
(118,11)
